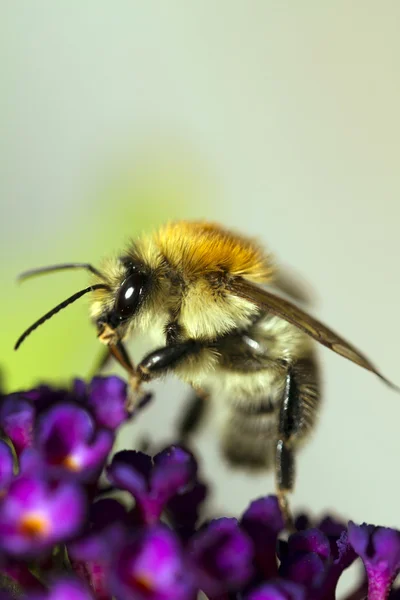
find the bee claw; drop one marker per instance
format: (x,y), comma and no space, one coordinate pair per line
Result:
(286,512)
(135,393)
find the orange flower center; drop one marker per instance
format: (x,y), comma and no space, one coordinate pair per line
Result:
(143,581)
(34,525)
(71,463)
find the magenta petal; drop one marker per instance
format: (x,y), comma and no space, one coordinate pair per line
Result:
(92,455)
(69,443)
(174,469)
(183,509)
(107,398)
(130,470)
(151,567)
(262,521)
(61,429)
(379,549)
(66,509)
(311,540)
(35,515)
(222,557)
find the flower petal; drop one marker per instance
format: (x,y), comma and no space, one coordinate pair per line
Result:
(262,521)
(17,417)
(151,567)
(107,399)
(379,549)
(69,443)
(183,509)
(278,590)
(130,470)
(222,557)
(35,515)
(174,469)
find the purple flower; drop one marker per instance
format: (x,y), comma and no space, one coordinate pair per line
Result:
(64,589)
(17,417)
(44,397)
(6,466)
(315,561)
(67,441)
(379,549)
(151,567)
(92,554)
(304,560)
(278,590)
(35,515)
(107,399)
(105,534)
(222,557)
(263,521)
(152,484)
(183,509)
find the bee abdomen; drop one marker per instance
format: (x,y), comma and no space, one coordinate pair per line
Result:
(249,434)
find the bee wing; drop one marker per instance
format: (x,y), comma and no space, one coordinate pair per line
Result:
(291,313)
(288,282)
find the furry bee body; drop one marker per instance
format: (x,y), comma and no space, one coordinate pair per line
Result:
(203,292)
(245,354)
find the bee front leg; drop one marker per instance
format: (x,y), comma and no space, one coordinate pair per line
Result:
(296,418)
(159,362)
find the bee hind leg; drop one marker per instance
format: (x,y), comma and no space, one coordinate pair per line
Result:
(296,418)
(192,417)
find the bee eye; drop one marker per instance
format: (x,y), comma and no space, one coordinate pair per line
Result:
(129,295)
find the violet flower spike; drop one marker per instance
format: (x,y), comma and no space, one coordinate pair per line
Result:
(379,549)
(107,398)
(17,418)
(36,515)
(92,554)
(152,485)
(68,442)
(222,557)
(263,521)
(151,567)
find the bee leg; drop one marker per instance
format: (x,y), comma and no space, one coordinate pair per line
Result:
(284,472)
(158,363)
(193,416)
(164,359)
(296,418)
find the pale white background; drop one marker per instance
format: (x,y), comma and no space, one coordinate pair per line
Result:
(292,111)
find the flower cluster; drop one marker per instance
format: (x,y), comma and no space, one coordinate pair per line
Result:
(78,524)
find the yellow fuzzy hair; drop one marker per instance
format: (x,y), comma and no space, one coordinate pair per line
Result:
(198,248)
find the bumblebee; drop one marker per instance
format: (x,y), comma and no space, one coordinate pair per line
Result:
(205,294)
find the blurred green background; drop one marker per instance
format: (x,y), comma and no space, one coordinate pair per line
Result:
(279,119)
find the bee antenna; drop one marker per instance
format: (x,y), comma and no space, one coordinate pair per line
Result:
(62,267)
(56,309)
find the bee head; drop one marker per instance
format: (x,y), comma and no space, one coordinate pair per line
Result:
(114,308)
(118,294)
